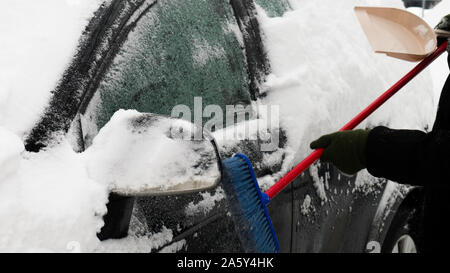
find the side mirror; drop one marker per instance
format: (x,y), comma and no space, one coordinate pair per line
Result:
(142,154)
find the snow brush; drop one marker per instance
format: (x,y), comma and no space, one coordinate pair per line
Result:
(248,205)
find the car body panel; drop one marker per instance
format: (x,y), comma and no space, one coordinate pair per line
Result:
(335,219)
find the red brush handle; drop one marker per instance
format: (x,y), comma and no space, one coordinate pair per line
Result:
(302,166)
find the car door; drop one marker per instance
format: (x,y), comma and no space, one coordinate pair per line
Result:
(178,53)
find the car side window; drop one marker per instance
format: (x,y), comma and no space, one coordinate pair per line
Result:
(179,50)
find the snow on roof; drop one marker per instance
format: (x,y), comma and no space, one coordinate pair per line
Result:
(38,40)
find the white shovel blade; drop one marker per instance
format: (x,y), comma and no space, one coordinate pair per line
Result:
(397,33)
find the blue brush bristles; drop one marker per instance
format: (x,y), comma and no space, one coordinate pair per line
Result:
(248,206)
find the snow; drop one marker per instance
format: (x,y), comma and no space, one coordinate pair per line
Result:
(36,47)
(324,72)
(206,204)
(366,183)
(46,197)
(227,138)
(318,182)
(175,247)
(203,52)
(134,243)
(139,239)
(49,202)
(307,205)
(135,151)
(11,147)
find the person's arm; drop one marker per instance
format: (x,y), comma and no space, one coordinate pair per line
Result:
(409,156)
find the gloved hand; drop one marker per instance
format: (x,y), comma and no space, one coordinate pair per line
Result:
(346,150)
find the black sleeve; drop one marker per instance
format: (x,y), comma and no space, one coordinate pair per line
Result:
(409,156)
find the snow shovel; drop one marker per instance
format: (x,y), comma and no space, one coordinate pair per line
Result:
(397,33)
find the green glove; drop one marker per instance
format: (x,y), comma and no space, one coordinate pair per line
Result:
(346,150)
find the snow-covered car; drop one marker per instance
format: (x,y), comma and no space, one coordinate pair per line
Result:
(151,55)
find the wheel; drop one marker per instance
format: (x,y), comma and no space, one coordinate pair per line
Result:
(406,230)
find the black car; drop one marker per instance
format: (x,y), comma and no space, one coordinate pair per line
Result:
(144,55)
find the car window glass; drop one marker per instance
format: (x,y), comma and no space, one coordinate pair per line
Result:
(274,8)
(178,50)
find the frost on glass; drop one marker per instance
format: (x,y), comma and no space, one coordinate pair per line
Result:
(178,50)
